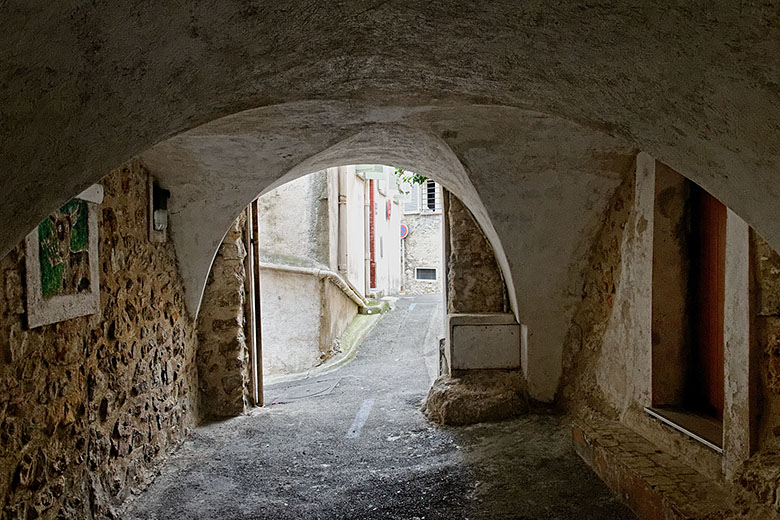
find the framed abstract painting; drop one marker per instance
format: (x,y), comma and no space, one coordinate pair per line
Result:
(62,265)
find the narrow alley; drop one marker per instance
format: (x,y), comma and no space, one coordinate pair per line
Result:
(360,448)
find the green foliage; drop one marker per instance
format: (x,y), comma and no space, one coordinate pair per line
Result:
(410,177)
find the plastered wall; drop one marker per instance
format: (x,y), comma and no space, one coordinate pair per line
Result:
(609,351)
(610,346)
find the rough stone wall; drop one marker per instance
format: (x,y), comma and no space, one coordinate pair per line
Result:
(223,356)
(89,405)
(422,248)
(758,480)
(608,360)
(474,280)
(766,272)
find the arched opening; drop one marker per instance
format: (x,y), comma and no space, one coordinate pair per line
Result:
(327,246)
(549,206)
(540,111)
(360,443)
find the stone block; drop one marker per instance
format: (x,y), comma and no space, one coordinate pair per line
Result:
(483,341)
(77,384)
(476,396)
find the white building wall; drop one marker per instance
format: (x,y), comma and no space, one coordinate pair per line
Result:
(291,325)
(387,243)
(309,237)
(306,237)
(356,234)
(394,248)
(299,237)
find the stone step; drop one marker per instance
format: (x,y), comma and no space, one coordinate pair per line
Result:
(654,484)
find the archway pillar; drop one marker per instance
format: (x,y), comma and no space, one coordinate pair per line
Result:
(480,376)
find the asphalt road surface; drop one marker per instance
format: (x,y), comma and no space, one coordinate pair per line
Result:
(355,446)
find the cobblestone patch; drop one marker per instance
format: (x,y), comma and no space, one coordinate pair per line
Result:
(652,482)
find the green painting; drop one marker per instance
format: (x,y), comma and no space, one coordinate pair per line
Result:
(63,251)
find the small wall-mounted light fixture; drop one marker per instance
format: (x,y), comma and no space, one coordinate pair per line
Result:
(160,198)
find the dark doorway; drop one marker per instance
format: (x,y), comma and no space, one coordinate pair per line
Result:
(708,259)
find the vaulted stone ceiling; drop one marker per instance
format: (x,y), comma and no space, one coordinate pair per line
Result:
(532,109)
(537,184)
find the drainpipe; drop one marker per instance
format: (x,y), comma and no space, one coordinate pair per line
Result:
(366,253)
(343,261)
(371,233)
(326,274)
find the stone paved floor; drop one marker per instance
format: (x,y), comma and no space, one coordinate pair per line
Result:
(311,459)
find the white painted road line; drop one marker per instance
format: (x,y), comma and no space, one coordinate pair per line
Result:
(415,304)
(360,419)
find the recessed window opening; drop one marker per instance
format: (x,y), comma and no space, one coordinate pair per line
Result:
(430,195)
(688,299)
(425,273)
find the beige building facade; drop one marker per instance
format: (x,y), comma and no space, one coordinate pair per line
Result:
(318,258)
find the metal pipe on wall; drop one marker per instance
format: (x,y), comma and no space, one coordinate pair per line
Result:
(366,236)
(343,216)
(340,282)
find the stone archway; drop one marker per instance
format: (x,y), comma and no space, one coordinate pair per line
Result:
(538,204)
(109,82)
(543,120)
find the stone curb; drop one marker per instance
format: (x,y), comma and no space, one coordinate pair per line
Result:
(350,341)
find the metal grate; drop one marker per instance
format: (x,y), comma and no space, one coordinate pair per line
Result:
(423,198)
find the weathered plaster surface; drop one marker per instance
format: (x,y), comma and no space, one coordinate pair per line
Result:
(670,278)
(694,84)
(338,310)
(602,292)
(223,356)
(545,207)
(739,406)
(303,314)
(292,306)
(294,224)
(90,405)
(624,367)
(303,318)
(525,105)
(356,244)
(609,348)
(611,339)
